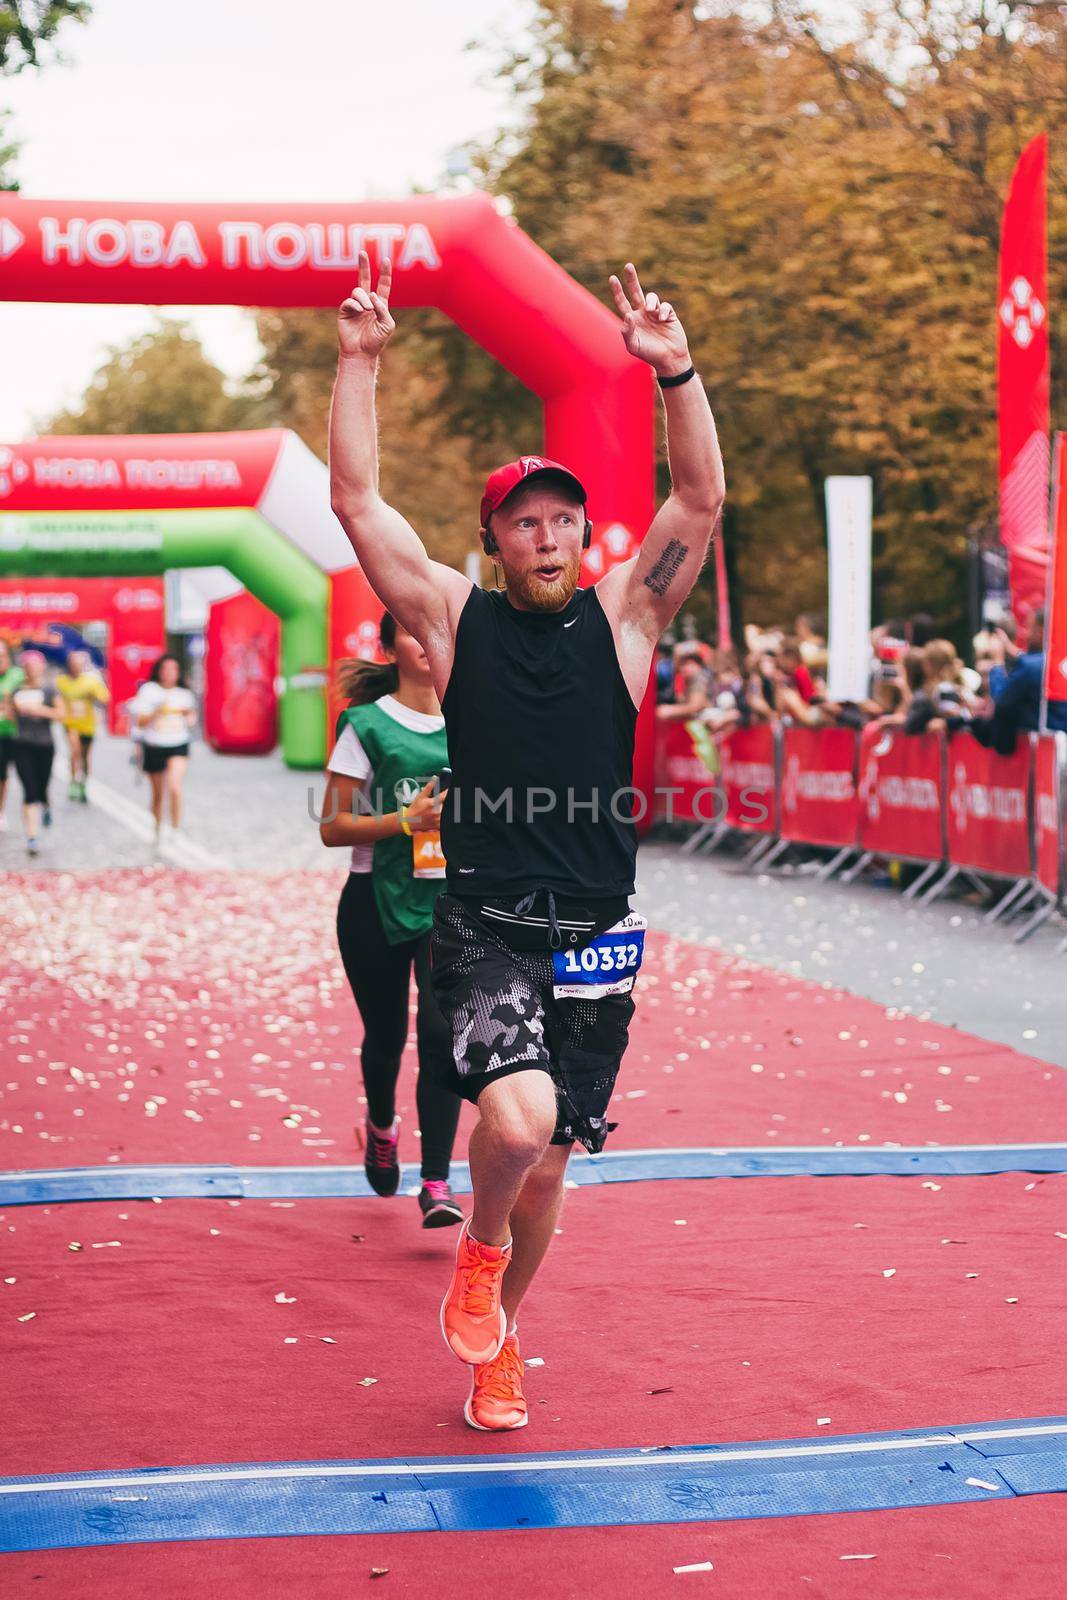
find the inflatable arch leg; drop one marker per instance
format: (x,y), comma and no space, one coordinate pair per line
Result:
(272,569)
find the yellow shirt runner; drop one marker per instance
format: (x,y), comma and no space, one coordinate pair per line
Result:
(80,697)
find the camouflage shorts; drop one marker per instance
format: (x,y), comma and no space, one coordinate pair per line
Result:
(505,1018)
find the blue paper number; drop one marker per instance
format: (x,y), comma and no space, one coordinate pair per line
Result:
(612,956)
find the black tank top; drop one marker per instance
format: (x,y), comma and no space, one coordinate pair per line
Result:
(540,730)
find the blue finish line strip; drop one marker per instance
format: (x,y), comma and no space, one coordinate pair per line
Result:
(50,1187)
(707,1483)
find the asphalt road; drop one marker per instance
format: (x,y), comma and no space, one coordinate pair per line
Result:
(253,814)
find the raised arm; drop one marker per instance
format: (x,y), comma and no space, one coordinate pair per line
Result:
(424,596)
(643,594)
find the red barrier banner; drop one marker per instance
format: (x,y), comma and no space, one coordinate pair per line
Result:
(988,811)
(901,794)
(1048,814)
(818,795)
(686,763)
(747,760)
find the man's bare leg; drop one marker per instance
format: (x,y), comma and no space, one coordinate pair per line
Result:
(517,1118)
(533,1223)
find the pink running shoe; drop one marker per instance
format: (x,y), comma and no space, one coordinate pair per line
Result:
(439,1206)
(380,1161)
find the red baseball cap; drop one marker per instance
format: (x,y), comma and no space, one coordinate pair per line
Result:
(506,479)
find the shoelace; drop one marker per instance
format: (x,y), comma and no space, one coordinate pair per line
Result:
(381,1147)
(437,1189)
(478,1291)
(501,1379)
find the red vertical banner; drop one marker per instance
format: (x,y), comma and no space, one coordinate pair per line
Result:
(1023,379)
(1048,812)
(1056,606)
(722,590)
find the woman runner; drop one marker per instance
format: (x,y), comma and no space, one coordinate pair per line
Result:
(380,802)
(81,689)
(35,706)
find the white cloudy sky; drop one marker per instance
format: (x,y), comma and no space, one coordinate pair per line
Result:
(234,100)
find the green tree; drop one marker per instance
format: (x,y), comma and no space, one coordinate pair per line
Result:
(434,458)
(823,204)
(27,25)
(161,382)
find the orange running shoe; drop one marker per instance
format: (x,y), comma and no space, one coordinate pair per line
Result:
(473,1321)
(496,1401)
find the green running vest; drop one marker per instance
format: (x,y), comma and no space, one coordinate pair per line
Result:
(399,760)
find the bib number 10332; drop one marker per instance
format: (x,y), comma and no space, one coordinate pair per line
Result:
(607,965)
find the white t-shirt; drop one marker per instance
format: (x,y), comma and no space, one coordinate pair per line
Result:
(168,730)
(350,760)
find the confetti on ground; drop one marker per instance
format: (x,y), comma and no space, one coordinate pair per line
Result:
(696,1566)
(980,1483)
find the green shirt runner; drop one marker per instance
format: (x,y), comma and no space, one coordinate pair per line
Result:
(401,763)
(9,682)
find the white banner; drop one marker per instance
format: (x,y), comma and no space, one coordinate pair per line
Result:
(848,525)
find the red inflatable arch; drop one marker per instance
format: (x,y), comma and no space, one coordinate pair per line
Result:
(460,255)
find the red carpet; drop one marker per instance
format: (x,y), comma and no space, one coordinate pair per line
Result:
(218,1027)
(768,1310)
(167,1017)
(1012,1551)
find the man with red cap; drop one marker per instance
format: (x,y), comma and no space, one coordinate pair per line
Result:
(535,947)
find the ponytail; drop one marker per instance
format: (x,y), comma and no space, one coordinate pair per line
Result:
(360,682)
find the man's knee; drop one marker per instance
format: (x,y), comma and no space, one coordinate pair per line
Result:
(546,1177)
(519,1113)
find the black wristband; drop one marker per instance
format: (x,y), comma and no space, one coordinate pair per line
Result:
(673,383)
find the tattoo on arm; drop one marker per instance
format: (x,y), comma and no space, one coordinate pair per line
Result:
(666,568)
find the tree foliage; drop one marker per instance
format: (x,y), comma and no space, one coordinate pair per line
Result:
(435,452)
(28,25)
(161,382)
(823,204)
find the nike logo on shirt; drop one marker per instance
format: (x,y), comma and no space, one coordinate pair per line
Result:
(571,623)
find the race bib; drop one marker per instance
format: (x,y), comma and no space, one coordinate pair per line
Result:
(607,965)
(429,858)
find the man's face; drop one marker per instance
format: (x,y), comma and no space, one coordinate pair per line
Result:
(538,531)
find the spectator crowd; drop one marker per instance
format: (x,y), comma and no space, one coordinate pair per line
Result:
(918,681)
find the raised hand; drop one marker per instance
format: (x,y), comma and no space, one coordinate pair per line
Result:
(364,324)
(650,329)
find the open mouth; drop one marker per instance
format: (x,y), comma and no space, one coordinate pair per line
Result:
(548,574)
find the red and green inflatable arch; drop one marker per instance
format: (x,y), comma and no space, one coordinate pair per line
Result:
(460,255)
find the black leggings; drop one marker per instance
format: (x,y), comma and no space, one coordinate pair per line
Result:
(33,763)
(380,976)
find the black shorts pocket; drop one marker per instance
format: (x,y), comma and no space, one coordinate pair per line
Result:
(585,1080)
